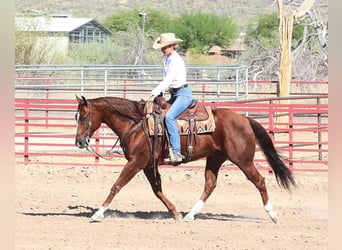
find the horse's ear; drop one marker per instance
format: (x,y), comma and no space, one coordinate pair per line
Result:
(81,101)
(78,99)
(84,100)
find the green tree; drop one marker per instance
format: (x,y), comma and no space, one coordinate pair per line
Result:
(266,31)
(121,21)
(201,31)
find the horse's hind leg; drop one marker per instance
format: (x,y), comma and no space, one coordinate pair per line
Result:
(211,171)
(258,180)
(155,181)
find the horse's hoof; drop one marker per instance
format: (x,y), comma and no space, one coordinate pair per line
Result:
(189,218)
(178,217)
(273,216)
(97,217)
(274,219)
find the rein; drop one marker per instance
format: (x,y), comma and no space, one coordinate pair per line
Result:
(89,147)
(92,150)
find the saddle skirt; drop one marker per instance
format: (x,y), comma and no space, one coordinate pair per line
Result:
(199,118)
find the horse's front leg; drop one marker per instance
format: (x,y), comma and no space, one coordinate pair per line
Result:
(153,177)
(127,173)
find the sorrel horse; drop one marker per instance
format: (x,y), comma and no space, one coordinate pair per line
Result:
(234,138)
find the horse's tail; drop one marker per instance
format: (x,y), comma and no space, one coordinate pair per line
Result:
(282,173)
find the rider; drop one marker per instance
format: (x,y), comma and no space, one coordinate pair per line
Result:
(174,79)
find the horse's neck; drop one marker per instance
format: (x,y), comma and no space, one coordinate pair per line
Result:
(119,123)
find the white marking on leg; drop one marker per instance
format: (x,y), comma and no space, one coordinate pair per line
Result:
(99,215)
(269,209)
(194,210)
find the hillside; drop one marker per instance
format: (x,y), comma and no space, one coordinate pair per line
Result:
(241,11)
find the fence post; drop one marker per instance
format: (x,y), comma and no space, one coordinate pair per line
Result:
(26,133)
(271,122)
(246,83)
(82,81)
(271,127)
(105,89)
(319,121)
(291,138)
(237,84)
(203,92)
(97,142)
(219,84)
(47,98)
(124,90)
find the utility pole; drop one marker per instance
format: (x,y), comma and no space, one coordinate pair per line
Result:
(143,15)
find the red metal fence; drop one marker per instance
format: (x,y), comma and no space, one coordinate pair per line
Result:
(45,132)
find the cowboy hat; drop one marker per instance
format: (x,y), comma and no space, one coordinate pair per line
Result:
(166,39)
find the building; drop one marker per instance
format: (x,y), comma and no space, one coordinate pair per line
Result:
(233,50)
(60,30)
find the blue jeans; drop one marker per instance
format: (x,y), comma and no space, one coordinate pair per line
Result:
(180,101)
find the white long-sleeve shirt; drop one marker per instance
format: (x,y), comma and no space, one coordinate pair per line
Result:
(174,74)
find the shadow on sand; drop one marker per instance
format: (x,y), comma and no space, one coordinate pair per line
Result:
(142,214)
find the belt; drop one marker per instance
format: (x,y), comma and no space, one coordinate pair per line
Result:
(176,89)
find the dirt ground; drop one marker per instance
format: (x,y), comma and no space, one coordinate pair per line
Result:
(53,206)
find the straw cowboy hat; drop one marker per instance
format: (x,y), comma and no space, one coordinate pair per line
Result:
(165,40)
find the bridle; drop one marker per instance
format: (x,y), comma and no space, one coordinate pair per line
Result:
(78,117)
(87,135)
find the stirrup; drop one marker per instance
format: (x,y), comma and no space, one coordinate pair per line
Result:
(177,159)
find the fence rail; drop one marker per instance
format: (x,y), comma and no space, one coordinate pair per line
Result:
(45,131)
(208,83)
(127,80)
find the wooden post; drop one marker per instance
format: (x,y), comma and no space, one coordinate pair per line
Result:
(286,20)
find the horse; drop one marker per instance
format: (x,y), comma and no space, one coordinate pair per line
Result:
(234,139)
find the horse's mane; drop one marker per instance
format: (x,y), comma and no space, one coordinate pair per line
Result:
(127,108)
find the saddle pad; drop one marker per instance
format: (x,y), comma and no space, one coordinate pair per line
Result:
(202,125)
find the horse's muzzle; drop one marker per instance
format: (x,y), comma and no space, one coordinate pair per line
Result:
(82,142)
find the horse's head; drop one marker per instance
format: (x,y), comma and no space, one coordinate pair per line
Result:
(86,122)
